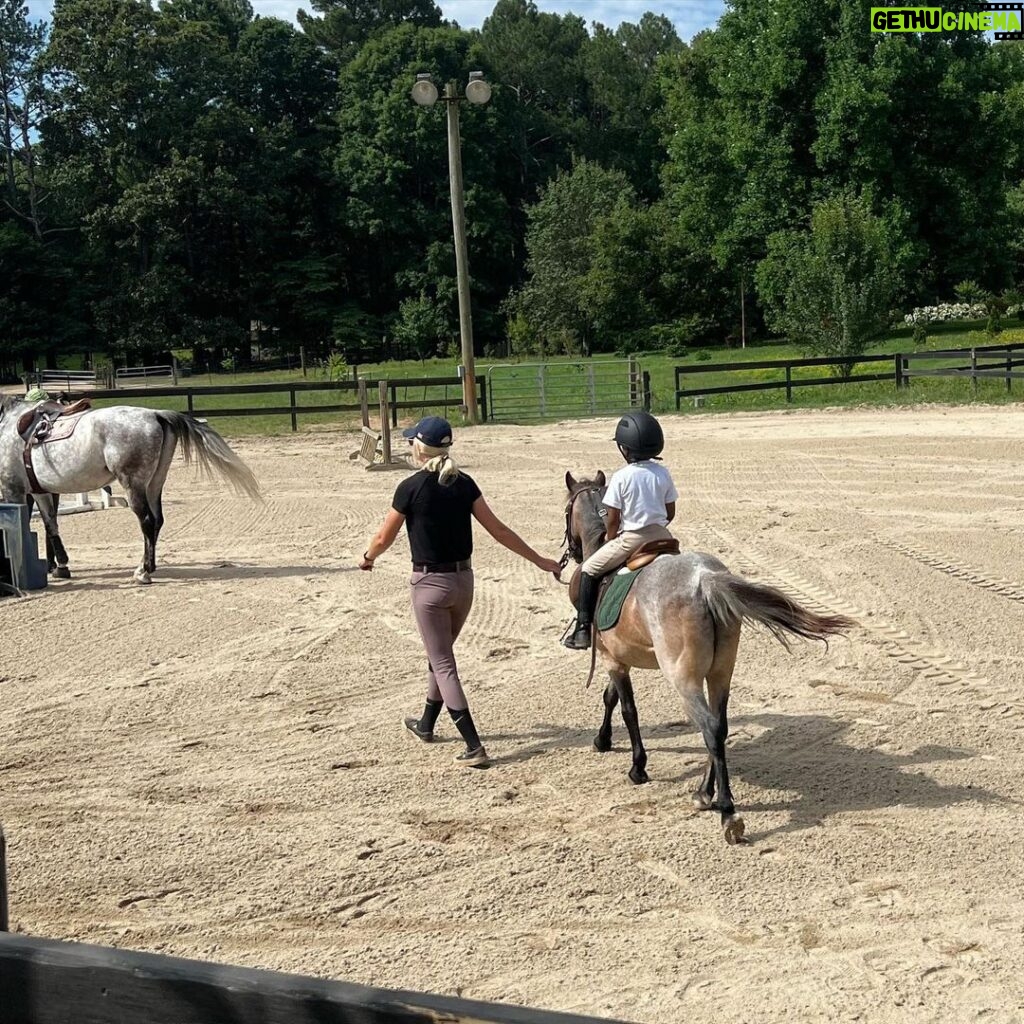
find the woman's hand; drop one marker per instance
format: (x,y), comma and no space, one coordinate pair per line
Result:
(551,566)
(382,539)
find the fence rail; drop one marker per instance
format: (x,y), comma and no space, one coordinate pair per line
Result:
(994,361)
(901,373)
(62,378)
(533,391)
(140,376)
(194,396)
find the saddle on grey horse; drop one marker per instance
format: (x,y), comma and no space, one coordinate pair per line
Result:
(36,425)
(48,421)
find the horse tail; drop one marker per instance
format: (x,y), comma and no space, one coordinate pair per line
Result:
(202,445)
(731,599)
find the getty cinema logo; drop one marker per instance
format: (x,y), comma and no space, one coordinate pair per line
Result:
(1002,19)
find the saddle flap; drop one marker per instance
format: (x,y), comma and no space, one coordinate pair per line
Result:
(25,421)
(647,553)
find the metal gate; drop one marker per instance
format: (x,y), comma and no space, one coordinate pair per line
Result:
(517,392)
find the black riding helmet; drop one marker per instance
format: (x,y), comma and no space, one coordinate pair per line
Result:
(639,436)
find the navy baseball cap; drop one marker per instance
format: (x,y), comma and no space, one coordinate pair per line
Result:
(433,431)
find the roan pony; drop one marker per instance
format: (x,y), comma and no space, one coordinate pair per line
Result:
(131,445)
(683,615)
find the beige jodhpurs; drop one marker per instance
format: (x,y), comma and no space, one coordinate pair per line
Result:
(616,552)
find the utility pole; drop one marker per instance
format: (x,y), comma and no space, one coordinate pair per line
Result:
(424,94)
(451,98)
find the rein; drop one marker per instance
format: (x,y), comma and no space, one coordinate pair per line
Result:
(573,545)
(574,550)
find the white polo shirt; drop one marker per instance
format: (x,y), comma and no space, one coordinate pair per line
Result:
(640,492)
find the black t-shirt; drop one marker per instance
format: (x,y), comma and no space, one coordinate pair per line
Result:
(437,518)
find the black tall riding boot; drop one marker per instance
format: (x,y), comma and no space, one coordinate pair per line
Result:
(587,601)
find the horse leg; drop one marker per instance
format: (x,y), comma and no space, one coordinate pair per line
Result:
(603,739)
(704,794)
(624,685)
(155,491)
(139,504)
(712,717)
(51,561)
(56,555)
(719,679)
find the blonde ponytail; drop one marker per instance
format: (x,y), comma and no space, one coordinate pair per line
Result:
(437,460)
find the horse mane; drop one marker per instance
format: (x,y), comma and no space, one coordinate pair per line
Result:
(8,402)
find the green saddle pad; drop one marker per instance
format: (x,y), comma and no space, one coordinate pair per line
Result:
(610,608)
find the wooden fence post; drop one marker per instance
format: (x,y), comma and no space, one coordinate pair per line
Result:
(385,421)
(364,403)
(295,416)
(789,383)
(647,390)
(188,399)
(974,370)
(302,358)
(1009,368)
(898,360)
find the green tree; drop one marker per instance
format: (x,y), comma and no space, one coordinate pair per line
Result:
(625,102)
(561,242)
(422,326)
(346,25)
(830,290)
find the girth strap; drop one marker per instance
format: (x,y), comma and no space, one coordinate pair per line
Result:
(33,480)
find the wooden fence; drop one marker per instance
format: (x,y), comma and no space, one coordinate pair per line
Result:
(995,361)
(194,396)
(999,361)
(47,982)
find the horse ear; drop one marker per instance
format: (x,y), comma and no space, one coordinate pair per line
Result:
(599,479)
(570,483)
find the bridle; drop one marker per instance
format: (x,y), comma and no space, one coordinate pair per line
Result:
(574,545)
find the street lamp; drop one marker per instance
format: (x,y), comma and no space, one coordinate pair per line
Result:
(424,94)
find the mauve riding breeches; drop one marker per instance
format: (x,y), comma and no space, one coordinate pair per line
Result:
(441,602)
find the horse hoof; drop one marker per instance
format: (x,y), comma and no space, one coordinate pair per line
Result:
(734,829)
(62,572)
(141,576)
(602,745)
(638,776)
(701,801)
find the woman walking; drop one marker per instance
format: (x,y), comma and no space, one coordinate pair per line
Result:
(437,505)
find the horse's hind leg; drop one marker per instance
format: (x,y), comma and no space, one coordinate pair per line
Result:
(155,491)
(716,732)
(705,654)
(603,739)
(139,504)
(624,687)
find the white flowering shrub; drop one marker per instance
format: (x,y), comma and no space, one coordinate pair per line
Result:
(946,311)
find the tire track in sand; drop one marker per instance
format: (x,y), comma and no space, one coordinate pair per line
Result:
(927,663)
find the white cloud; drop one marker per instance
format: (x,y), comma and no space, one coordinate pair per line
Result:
(689,16)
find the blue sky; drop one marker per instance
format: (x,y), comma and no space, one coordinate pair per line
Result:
(689,16)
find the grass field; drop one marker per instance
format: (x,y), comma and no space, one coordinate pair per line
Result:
(659,365)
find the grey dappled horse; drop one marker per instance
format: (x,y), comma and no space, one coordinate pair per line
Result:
(131,445)
(682,615)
